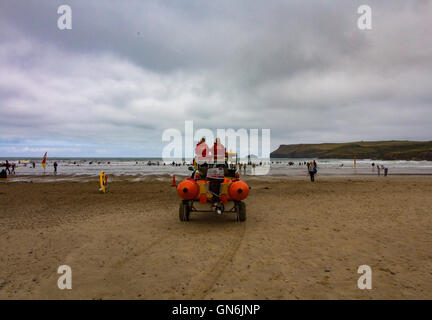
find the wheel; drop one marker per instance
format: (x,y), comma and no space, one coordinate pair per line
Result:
(184,211)
(241,211)
(187,211)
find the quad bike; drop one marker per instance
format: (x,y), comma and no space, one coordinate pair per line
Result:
(218,190)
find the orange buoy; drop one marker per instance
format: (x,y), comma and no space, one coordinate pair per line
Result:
(238,190)
(174,184)
(188,189)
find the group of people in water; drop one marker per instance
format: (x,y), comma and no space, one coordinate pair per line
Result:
(9,167)
(216,155)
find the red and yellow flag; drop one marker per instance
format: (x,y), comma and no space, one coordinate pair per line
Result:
(44,160)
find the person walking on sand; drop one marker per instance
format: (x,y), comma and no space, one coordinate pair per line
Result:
(55,167)
(312,169)
(385,171)
(378,169)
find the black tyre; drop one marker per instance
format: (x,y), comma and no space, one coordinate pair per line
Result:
(184,211)
(187,211)
(241,211)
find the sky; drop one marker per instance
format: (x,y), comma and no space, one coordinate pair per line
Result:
(129,70)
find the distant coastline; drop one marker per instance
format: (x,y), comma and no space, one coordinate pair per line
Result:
(383,150)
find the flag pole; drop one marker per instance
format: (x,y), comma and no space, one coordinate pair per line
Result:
(44,161)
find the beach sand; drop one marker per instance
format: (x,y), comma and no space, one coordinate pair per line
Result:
(301,240)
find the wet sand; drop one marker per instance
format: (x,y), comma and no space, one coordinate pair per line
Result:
(300,240)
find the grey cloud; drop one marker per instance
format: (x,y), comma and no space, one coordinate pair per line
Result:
(130,69)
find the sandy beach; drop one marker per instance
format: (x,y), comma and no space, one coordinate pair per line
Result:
(301,240)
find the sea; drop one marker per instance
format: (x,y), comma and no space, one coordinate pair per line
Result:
(76,167)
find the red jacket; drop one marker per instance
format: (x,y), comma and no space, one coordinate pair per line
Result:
(202,150)
(218,152)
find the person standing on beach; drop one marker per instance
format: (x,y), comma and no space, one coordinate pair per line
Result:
(385,171)
(7,166)
(378,169)
(312,169)
(55,167)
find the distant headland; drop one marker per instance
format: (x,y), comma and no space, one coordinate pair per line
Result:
(383,150)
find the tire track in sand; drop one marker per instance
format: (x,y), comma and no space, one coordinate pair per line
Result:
(209,280)
(134,255)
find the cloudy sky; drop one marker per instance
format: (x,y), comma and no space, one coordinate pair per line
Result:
(128,70)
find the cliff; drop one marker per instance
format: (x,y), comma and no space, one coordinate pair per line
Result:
(383,150)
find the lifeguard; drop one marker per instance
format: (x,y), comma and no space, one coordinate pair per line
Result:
(202,152)
(218,152)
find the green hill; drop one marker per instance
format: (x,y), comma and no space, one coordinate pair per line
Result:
(383,150)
